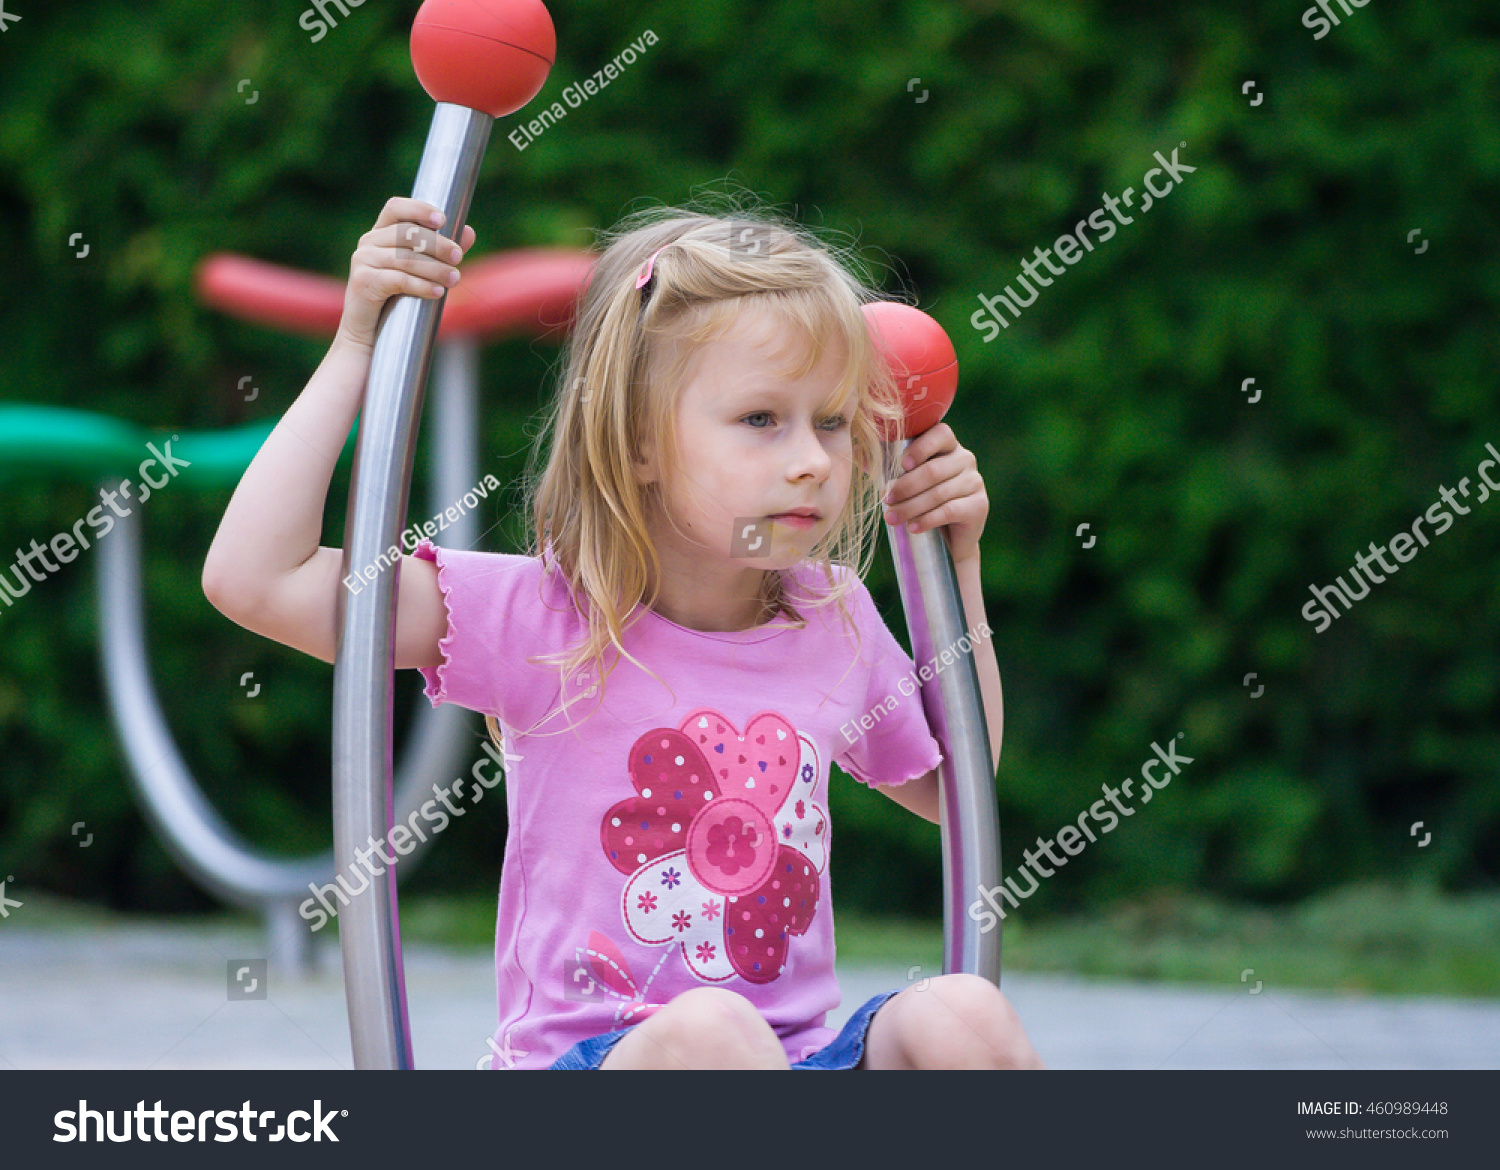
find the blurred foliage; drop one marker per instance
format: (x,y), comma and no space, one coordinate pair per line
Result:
(1114,400)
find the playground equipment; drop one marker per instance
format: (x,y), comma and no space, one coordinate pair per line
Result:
(479,63)
(926,368)
(78,444)
(527,291)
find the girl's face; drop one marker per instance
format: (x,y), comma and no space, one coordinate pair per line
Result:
(754,448)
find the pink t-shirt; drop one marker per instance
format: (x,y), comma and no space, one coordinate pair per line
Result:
(669,840)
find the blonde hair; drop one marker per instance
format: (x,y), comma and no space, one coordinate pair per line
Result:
(623,369)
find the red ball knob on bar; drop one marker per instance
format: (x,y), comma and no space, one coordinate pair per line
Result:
(486,55)
(921,357)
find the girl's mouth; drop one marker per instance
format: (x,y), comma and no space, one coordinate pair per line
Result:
(795,520)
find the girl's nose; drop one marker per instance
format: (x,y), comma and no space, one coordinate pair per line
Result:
(810,457)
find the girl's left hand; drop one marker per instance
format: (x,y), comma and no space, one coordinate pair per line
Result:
(940,486)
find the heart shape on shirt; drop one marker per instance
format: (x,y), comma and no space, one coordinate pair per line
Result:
(765,756)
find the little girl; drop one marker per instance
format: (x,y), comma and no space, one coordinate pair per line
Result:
(665,668)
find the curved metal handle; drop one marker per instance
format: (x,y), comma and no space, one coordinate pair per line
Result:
(364,668)
(192,831)
(955,711)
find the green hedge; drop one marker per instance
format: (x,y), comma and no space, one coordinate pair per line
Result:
(1114,400)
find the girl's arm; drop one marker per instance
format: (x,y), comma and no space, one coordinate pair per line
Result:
(265,569)
(921,795)
(941,487)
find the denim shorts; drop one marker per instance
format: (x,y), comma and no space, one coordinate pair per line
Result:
(845,1050)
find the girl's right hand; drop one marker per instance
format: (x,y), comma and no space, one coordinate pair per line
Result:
(403,254)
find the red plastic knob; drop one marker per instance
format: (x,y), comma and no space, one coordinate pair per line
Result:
(922,358)
(487,55)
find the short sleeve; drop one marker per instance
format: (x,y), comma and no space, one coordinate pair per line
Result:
(893,742)
(496,619)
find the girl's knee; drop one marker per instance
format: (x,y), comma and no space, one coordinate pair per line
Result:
(977,996)
(713,1027)
(979,1026)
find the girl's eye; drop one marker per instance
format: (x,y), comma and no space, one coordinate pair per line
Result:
(832,423)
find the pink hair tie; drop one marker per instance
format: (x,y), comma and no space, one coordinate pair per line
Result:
(645,274)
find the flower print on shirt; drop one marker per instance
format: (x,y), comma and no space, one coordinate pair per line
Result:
(723,844)
(599,971)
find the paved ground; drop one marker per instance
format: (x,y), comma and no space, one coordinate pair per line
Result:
(132,998)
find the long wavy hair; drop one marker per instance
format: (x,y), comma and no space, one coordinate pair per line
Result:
(623,369)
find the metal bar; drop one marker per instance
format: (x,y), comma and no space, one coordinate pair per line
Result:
(192,831)
(455,443)
(955,711)
(206,847)
(364,667)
